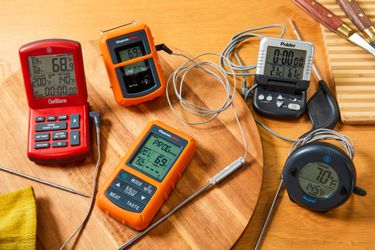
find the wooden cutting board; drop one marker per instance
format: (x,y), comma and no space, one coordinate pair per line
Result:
(215,220)
(353,70)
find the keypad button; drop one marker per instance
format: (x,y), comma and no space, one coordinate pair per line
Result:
(141,185)
(41,145)
(39,119)
(51,118)
(279,103)
(294,106)
(148,189)
(130,191)
(118,185)
(42,137)
(74,138)
(143,198)
(115,196)
(59,144)
(59,135)
(63,117)
(50,126)
(124,176)
(133,206)
(74,121)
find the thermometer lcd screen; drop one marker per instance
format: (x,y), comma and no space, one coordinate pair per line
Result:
(285,63)
(318,180)
(156,157)
(52,75)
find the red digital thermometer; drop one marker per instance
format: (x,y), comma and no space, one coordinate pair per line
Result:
(56,91)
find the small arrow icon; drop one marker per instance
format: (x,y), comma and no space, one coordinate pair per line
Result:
(118,184)
(74,120)
(74,136)
(142,197)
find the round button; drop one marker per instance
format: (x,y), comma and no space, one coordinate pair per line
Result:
(269,98)
(261,97)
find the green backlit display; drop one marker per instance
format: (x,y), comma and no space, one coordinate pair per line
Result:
(156,157)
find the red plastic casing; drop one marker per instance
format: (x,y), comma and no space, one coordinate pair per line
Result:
(56,105)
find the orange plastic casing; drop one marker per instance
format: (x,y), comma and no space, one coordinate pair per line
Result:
(140,221)
(111,67)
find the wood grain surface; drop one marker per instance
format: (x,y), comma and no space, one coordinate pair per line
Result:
(219,144)
(352,70)
(195,27)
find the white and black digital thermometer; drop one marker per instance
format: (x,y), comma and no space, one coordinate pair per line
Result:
(283,77)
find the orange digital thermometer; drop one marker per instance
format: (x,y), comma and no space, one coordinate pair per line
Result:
(132,64)
(146,175)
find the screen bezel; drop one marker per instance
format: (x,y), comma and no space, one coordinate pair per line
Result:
(48,48)
(161,132)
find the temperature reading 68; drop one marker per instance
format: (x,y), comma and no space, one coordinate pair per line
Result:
(53,75)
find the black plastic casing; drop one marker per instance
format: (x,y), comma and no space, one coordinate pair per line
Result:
(325,153)
(273,86)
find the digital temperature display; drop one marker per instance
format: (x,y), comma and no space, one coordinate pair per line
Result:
(52,75)
(156,156)
(318,180)
(285,63)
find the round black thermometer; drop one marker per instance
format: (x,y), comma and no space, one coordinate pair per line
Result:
(320,176)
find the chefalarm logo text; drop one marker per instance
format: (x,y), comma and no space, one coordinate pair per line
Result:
(57,101)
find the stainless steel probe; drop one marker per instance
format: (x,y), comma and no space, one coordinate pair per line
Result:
(43,181)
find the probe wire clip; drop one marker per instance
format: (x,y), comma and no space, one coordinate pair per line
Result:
(122,25)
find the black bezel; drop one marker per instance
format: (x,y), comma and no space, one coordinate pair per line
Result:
(325,153)
(131,39)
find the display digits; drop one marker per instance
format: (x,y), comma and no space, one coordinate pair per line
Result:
(285,63)
(53,75)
